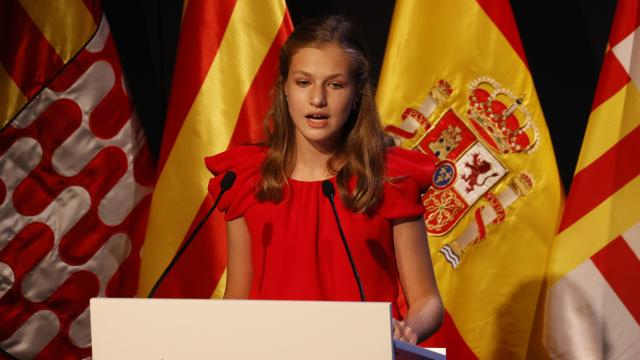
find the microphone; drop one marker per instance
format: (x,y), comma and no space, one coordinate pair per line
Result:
(226,183)
(329,192)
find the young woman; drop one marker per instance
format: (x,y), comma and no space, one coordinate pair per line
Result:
(283,241)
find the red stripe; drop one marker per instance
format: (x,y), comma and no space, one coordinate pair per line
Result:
(200,267)
(621,268)
(602,178)
(203,27)
(613,77)
(499,11)
(26,54)
(625,20)
(249,126)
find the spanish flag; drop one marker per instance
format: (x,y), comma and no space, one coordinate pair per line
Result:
(226,65)
(593,302)
(75,177)
(455,84)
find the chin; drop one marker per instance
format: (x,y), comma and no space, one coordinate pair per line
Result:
(319,140)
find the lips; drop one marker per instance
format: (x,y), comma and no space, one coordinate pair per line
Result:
(317,116)
(317,120)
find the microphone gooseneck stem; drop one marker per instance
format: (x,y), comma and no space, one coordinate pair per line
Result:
(346,248)
(226,184)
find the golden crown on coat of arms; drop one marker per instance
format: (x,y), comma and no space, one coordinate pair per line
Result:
(500,117)
(441,91)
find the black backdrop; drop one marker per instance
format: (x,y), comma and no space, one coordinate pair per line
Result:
(564,42)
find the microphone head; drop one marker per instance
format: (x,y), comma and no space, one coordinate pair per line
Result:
(227,180)
(327,189)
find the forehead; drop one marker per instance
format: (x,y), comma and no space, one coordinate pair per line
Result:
(323,59)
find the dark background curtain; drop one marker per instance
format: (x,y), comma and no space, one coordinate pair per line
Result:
(564,42)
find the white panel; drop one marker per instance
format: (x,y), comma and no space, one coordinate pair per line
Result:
(239,329)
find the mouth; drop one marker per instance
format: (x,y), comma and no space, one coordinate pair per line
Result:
(317,120)
(317,116)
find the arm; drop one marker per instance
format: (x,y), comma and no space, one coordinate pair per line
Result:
(239,268)
(418,282)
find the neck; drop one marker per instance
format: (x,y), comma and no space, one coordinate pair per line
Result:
(311,161)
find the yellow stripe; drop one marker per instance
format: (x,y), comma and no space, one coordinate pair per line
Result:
(596,229)
(67,24)
(11,100)
(207,130)
(609,123)
(218,293)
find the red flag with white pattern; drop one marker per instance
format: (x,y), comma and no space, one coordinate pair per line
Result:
(75,183)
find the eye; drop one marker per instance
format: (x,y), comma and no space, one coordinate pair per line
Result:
(303,82)
(336,85)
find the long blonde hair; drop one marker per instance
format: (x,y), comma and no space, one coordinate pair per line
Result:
(362,147)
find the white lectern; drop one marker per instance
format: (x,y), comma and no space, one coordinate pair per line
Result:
(244,329)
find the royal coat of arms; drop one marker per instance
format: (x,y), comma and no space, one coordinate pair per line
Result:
(469,147)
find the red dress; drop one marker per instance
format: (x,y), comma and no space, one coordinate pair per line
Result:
(297,252)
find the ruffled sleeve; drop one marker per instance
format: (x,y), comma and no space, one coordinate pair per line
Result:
(246,162)
(409,175)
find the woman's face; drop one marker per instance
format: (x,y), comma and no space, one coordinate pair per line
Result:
(320,92)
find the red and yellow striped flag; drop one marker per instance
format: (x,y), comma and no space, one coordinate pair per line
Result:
(227,62)
(75,177)
(455,83)
(593,302)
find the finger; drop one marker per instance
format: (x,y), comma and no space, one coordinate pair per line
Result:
(397,333)
(406,333)
(412,338)
(400,331)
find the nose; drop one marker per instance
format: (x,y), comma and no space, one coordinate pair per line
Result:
(318,97)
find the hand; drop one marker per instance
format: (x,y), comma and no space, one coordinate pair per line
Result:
(402,331)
